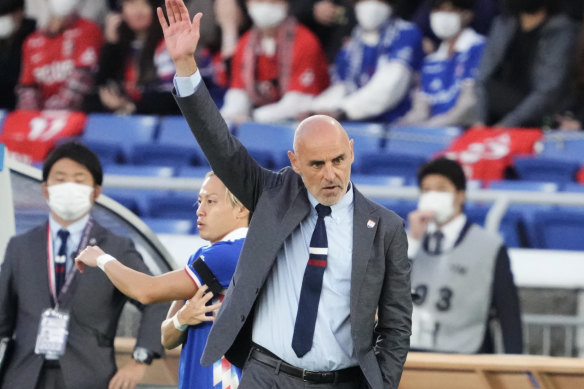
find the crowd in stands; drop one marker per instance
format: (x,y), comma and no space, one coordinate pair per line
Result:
(427,63)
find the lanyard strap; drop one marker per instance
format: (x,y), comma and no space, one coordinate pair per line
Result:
(51,261)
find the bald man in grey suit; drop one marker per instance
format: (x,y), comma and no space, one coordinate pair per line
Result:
(367,269)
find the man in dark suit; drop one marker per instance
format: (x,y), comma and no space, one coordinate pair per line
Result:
(38,280)
(290,321)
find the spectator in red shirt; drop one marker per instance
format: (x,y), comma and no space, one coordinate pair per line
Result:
(59,60)
(135,71)
(277,68)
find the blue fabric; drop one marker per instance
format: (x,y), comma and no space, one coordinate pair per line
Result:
(356,62)
(442,78)
(311,287)
(221,258)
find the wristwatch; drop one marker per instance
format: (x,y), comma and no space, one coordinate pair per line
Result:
(142,355)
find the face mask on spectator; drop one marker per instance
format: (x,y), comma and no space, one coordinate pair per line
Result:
(70,200)
(7,26)
(442,203)
(62,8)
(445,25)
(267,15)
(371,14)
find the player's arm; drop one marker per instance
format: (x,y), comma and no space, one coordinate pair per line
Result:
(147,289)
(186,313)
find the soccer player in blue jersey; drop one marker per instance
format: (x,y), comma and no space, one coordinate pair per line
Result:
(374,71)
(447,96)
(223,221)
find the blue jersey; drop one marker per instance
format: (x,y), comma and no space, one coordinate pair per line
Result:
(221,258)
(357,61)
(443,75)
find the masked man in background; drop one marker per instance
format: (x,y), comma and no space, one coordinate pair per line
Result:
(461,273)
(63,325)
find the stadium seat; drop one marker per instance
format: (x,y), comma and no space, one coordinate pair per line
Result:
(573,187)
(367,138)
(192,171)
(511,229)
(563,145)
(377,180)
(559,229)
(171,226)
(392,164)
(108,134)
(546,169)
(172,206)
(268,144)
(420,141)
(516,185)
(174,146)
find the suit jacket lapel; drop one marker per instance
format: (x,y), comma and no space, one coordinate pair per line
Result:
(364,229)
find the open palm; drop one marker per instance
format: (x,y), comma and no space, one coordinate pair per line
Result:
(180,34)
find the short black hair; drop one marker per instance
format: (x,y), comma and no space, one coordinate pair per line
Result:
(467,5)
(79,153)
(10,6)
(444,167)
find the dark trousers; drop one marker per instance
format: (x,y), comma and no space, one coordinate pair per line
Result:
(51,376)
(257,375)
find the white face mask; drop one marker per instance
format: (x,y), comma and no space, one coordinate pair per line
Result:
(442,203)
(371,14)
(62,8)
(267,15)
(7,26)
(70,201)
(445,25)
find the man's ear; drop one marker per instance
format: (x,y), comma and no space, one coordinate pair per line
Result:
(96,192)
(45,190)
(293,161)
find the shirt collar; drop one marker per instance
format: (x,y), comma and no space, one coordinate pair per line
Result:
(338,209)
(452,229)
(236,234)
(74,229)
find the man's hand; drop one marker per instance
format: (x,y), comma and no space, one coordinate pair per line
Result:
(88,257)
(128,376)
(181,36)
(418,221)
(194,311)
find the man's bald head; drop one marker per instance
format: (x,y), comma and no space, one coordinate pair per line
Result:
(318,126)
(323,154)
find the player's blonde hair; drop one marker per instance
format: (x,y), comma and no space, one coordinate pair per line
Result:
(228,195)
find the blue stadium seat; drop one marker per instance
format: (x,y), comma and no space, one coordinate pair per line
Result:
(392,164)
(142,171)
(268,144)
(420,141)
(401,207)
(517,185)
(171,226)
(192,171)
(573,187)
(174,146)
(559,229)
(546,169)
(108,134)
(367,138)
(174,206)
(377,180)
(563,145)
(511,229)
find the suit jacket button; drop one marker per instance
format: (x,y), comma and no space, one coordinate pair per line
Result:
(242,318)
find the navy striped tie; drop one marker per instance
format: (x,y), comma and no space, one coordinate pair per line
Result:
(61,261)
(311,286)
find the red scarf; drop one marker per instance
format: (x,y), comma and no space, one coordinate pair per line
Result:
(257,90)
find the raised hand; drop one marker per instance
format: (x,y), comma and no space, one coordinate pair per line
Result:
(180,35)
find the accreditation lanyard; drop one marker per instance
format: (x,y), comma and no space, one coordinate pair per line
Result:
(51,260)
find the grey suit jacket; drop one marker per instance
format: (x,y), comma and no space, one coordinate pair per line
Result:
(92,300)
(380,276)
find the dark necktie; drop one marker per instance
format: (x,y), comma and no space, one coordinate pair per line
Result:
(311,286)
(437,238)
(61,261)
